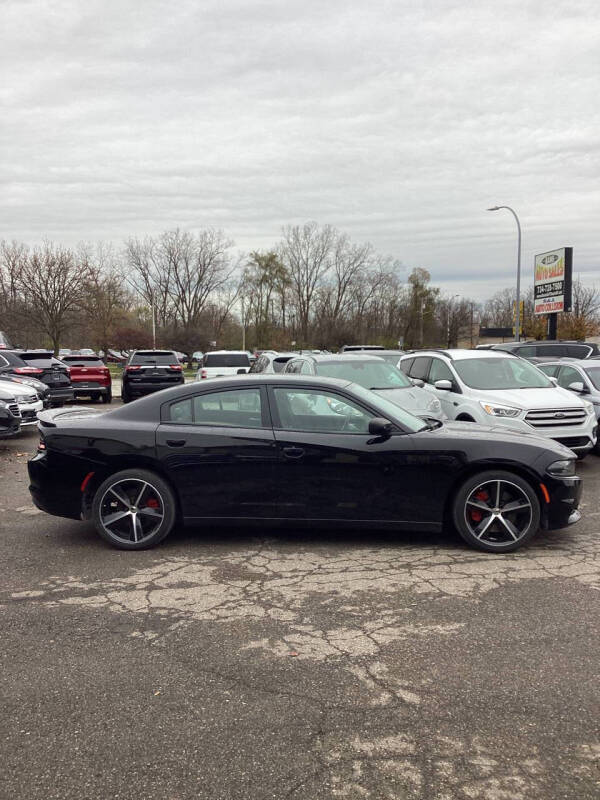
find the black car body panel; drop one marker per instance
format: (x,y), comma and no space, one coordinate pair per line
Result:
(149,371)
(44,367)
(267,473)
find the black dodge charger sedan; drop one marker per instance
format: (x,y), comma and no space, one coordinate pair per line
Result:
(279,448)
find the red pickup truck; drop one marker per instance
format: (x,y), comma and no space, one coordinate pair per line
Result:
(90,377)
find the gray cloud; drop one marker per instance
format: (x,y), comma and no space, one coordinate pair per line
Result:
(399,122)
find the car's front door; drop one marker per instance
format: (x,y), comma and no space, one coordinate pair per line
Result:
(331,467)
(219,450)
(449,398)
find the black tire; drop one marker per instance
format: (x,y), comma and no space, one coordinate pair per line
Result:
(127,482)
(107,398)
(498,538)
(125,398)
(95,397)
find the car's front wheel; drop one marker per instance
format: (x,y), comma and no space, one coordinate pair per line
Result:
(134,509)
(496,511)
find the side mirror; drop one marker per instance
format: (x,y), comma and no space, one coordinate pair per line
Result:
(443,385)
(578,387)
(241,371)
(379,426)
(417,382)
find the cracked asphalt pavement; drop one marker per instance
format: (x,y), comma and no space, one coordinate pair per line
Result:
(230,663)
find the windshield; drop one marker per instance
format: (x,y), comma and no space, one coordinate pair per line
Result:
(390,410)
(370,374)
(226,360)
(594,376)
(500,373)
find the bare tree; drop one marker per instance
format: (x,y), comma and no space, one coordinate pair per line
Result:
(54,279)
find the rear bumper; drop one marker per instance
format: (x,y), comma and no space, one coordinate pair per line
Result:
(60,395)
(89,387)
(48,491)
(565,496)
(143,387)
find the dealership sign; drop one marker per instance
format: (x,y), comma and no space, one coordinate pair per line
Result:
(552,281)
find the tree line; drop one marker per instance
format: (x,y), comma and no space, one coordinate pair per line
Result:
(314,288)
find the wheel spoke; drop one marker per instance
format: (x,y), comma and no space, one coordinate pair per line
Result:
(483,526)
(482,506)
(498,485)
(515,505)
(121,496)
(150,512)
(112,518)
(509,527)
(139,497)
(134,527)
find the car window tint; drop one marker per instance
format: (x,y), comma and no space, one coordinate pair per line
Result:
(406,365)
(83,361)
(549,369)
(578,350)
(42,360)
(159,358)
(439,371)
(420,368)
(567,376)
(226,360)
(319,412)
(552,350)
(526,352)
(181,411)
(240,408)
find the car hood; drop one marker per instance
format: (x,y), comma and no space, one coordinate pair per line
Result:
(412,398)
(501,433)
(529,399)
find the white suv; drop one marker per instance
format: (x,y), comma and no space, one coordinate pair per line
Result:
(494,387)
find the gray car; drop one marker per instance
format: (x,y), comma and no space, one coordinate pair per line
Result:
(582,377)
(372,373)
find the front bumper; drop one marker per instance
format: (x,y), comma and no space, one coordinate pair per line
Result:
(579,438)
(565,496)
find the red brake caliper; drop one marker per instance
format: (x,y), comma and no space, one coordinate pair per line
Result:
(152,503)
(475,513)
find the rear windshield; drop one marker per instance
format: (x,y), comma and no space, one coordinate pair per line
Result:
(162,358)
(370,374)
(39,359)
(226,360)
(83,361)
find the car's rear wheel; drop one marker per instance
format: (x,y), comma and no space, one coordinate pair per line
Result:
(496,511)
(134,509)
(125,396)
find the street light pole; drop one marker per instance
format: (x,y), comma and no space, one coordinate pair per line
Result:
(518,303)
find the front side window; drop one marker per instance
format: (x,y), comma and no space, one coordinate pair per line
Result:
(549,369)
(500,373)
(440,371)
(239,408)
(319,412)
(567,376)
(594,375)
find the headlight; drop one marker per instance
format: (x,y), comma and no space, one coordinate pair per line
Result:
(3,404)
(589,407)
(562,469)
(500,411)
(435,405)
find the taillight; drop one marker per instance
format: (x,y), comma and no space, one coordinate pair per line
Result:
(132,368)
(41,445)
(28,371)
(68,369)
(177,367)
(203,374)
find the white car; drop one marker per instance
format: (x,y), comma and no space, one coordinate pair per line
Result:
(496,388)
(223,362)
(26,398)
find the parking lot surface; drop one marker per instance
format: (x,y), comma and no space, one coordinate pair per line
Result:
(274,663)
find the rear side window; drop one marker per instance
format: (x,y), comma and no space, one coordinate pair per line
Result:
(578,350)
(526,352)
(552,350)
(240,408)
(279,363)
(161,358)
(420,368)
(406,365)
(226,360)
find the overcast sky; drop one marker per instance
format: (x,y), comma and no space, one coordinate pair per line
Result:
(398,122)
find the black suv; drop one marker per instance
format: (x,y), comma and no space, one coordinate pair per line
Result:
(550,349)
(149,371)
(43,366)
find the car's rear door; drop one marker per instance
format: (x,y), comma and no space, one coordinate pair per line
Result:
(330,467)
(219,450)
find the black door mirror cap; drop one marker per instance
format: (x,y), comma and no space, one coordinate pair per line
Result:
(378,426)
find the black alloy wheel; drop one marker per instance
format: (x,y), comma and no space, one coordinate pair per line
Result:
(134,509)
(496,511)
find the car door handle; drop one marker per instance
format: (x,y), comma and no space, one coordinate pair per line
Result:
(293,453)
(175,442)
